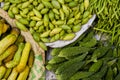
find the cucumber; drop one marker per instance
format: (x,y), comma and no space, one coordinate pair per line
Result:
(72,51)
(81,75)
(64,67)
(56,60)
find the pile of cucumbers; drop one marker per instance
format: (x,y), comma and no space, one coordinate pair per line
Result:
(16,55)
(86,59)
(49,20)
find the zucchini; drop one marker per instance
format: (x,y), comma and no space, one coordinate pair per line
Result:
(61,69)
(72,51)
(6,42)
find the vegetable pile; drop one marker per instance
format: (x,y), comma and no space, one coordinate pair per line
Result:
(49,20)
(108,13)
(16,56)
(86,59)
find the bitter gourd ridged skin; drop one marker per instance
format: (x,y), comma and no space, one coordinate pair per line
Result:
(80,75)
(117,77)
(65,75)
(109,75)
(90,43)
(102,61)
(69,63)
(100,52)
(56,60)
(96,66)
(72,51)
(55,51)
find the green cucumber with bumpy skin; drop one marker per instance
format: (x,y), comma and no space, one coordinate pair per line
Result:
(96,66)
(72,51)
(90,43)
(99,52)
(98,75)
(117,77)
(109,75)
(56,60)
(81,75)
(69,63)
(70,70)
(55,51)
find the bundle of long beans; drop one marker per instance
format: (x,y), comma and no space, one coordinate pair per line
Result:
(108,12)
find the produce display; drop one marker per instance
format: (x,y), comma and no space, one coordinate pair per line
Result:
(86,59)
(49,20)
(16,56)
(108,15)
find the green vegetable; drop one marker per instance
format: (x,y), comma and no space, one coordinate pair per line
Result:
(70,64)
(21,26)
(56,60)
(90,43)
(55,51)
(70,70)
(81,75)
(96,66)
(100,52)
(109,75)
(99,74)
(72,51)
(117,77)
(56,4)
